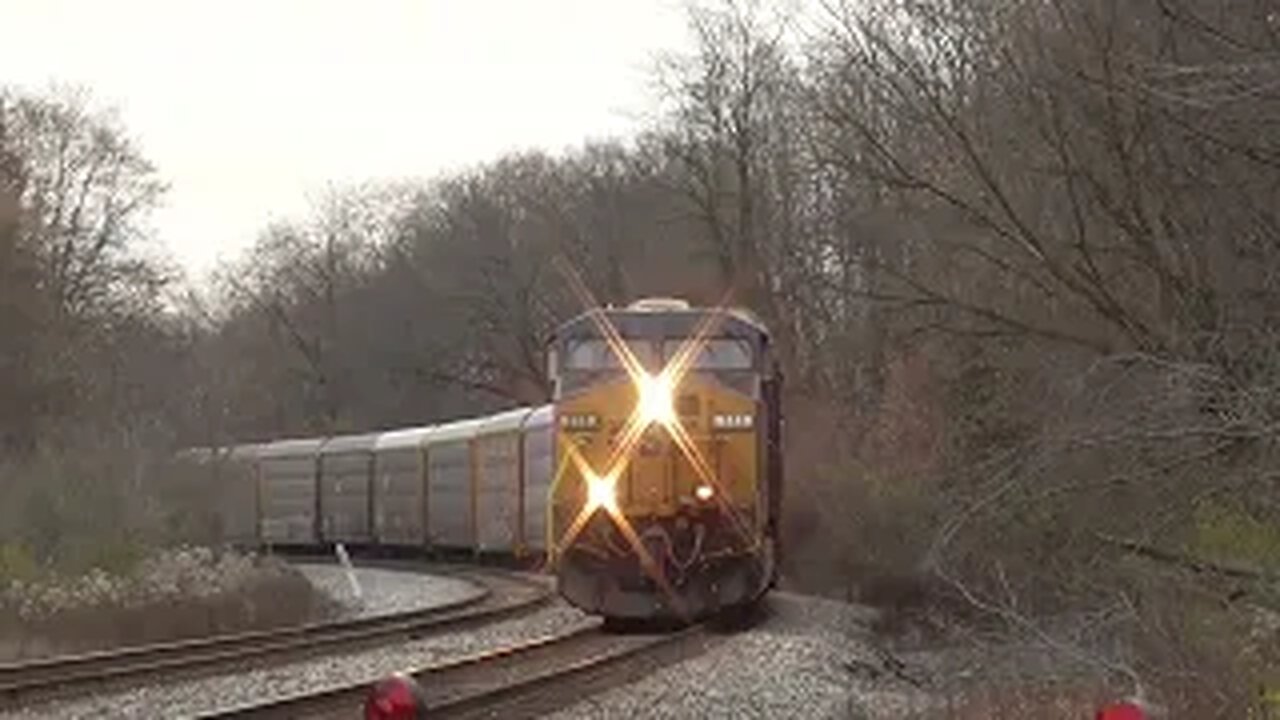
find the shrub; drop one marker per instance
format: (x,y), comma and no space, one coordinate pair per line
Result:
(182,592)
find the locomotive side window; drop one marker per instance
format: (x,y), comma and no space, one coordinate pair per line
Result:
(595,354)
(715,354)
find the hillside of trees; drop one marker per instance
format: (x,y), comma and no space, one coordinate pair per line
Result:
(1021,258)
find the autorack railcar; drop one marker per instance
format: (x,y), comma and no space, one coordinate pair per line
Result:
(400,487)
(289,496)
(345,465)
(477,485)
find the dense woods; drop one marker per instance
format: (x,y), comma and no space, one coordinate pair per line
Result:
(1021,259)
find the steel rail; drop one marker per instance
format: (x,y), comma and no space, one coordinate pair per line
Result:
(42,679)
(523,680)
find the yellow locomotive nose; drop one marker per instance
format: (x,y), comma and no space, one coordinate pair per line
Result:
(661,506)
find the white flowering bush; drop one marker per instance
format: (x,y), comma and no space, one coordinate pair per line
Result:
(163,595)
(181,574)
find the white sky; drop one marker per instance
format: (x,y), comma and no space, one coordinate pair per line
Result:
(250,108)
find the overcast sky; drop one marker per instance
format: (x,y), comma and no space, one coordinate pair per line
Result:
(250,108)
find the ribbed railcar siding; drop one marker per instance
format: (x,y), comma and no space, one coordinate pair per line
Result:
(238,507)
(497,482)
(288,490)
(400,487)
(449,495)
(450,472)
(539,468)
(346,479)
(399,507)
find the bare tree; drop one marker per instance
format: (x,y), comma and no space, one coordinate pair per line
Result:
(727,116)
(74,195)
(85,188)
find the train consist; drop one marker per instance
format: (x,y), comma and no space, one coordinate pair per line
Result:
(651,485)
(478,485)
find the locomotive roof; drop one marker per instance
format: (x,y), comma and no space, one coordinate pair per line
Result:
(733,322)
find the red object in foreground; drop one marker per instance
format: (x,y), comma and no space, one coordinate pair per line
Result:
(398,697)
(1121,711)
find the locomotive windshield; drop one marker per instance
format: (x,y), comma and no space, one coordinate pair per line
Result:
(595,354)
(735,353)
(715,354)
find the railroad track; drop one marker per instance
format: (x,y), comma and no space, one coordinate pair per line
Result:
(525,680)
(503,595)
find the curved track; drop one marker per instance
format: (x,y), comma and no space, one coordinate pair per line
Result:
(502,595)
(518,681)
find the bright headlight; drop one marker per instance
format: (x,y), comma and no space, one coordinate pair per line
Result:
(655,399)
(733,421)
(600,494)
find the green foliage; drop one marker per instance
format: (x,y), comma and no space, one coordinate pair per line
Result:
(77,554)
(1231,534)
(1269,704)
(80,504)
(118,554)
(17,563)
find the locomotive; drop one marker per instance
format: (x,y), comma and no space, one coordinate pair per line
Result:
(668,454)
(651,485)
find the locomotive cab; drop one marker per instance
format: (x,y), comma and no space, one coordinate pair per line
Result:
(668,472)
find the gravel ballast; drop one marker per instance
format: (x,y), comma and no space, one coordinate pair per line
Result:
(809,658)
(384,592)
(206,695)
(186,698)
